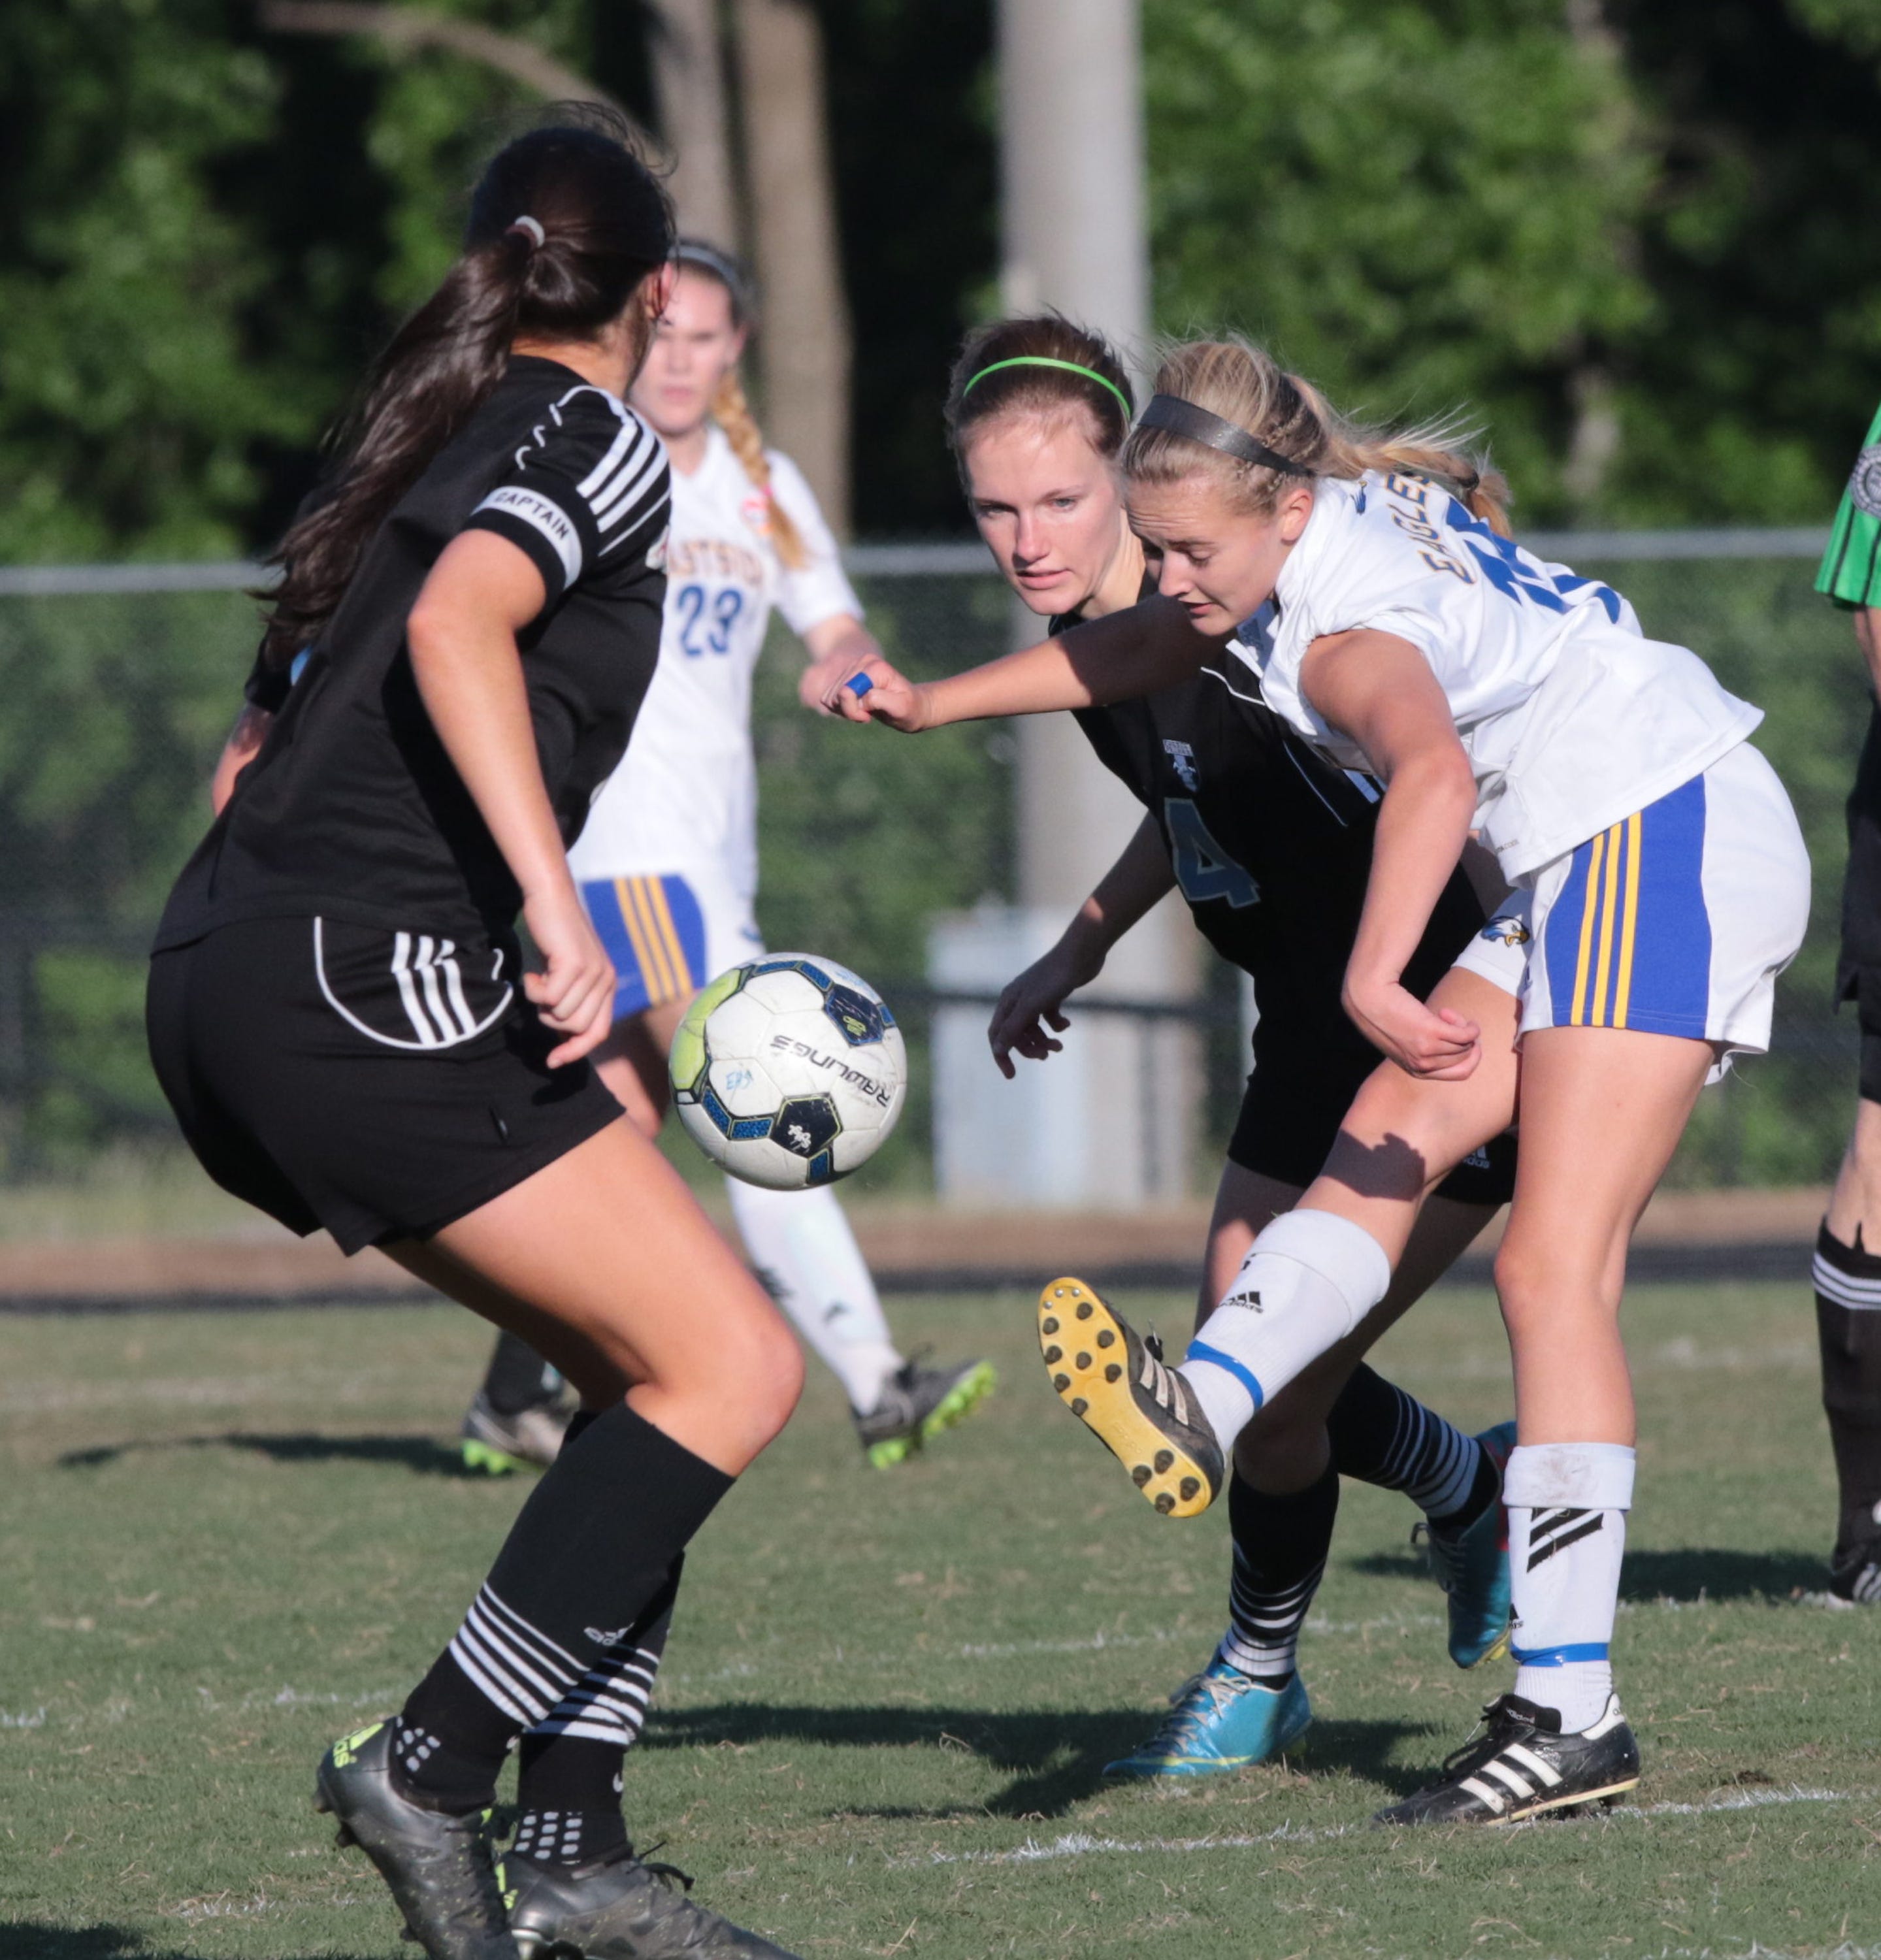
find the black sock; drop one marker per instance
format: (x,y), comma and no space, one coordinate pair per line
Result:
(1848,1323)
(518,1378)
(1280,1548)
(1382,1436)
(569,1787)
(593,1546)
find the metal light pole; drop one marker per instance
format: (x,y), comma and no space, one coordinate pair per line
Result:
(1106,1122)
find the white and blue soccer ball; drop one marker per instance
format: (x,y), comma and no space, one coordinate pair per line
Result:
(789,1071)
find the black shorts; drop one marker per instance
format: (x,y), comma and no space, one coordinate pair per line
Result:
(1290,1118)
(1858,971)
(380,1084)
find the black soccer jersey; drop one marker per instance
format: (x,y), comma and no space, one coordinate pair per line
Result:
(1272,846)
(352,809)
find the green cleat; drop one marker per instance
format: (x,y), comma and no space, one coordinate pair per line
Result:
(917,1404)
(439,1867)
(498,1445)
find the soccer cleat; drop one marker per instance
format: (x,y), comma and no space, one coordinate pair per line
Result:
(917,1404)
(499,1445)
(619,1908)
(1220,1721)
(1522,1765)
(1113,1380)
(439,1867)
(1472,1567)
(1854,1576)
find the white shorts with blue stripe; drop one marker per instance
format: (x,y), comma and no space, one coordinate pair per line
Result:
(1676,920)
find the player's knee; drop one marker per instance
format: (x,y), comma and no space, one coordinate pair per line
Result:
(1282,1438)
(764,1374)
(1539,1284)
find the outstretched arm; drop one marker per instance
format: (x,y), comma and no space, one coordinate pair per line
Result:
(1037,998)
(1379,690)
(1116,658)
(462,633)
(837,646)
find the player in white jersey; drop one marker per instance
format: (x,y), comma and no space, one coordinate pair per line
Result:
(1367,583)
(667,862)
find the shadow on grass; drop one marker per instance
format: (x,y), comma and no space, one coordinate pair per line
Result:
(1057,1759)
(1712,1572)
(423,1454)
(29,1939)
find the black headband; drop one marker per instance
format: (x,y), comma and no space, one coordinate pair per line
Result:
(1172,413)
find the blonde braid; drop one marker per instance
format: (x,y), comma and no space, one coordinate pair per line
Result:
(732,413)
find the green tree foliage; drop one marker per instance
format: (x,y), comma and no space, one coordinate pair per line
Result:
(1745,396)
(131,405)
(1417,204)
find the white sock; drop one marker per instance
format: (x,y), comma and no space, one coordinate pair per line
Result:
(1306,1282)
(1567,1505)
(805,1253)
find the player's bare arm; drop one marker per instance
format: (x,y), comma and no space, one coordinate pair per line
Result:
(462,634)
(1116,658)
(1035,1000)
(244,745)
(1379,690)
(837,648)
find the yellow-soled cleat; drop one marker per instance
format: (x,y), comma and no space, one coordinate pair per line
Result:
(1114,1381)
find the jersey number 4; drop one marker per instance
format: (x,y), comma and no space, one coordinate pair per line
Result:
(1203,869)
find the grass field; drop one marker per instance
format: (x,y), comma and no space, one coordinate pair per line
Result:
(227,1538)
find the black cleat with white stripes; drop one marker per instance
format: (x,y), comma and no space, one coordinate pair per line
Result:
(1522,1765)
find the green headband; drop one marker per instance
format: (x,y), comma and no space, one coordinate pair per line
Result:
(1046,361)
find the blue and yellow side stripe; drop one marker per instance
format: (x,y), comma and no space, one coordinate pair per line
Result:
(654,933)
(1628,939)
(1610,929)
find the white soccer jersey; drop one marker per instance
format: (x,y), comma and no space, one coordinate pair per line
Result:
(1571,718)
(685,796)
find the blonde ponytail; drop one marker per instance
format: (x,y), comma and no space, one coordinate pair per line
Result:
(1244,385)
(732,413)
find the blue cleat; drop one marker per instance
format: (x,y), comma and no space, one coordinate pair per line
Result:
(1472,1567)
(1220,1722)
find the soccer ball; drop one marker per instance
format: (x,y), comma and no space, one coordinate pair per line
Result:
(789,1071)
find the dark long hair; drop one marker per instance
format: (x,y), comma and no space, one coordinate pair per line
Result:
(1041,365)
(564,224)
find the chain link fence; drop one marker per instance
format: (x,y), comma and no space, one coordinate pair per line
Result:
(118,683)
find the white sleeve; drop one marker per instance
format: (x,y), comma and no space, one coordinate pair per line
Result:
(819,589)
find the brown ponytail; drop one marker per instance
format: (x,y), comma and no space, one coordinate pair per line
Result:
(564,224)
(1244,385)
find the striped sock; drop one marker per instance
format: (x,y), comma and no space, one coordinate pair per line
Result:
(1847,1281)
(569,1787)
(1279,1552)
(1567,1504)
(589,1552)
(1380,1435)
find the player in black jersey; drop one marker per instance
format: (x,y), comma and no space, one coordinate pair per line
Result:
(1271,847)
(468,617)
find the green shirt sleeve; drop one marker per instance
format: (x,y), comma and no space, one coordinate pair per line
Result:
(1851,567)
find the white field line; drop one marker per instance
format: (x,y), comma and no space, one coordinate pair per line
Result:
(1082,1844)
